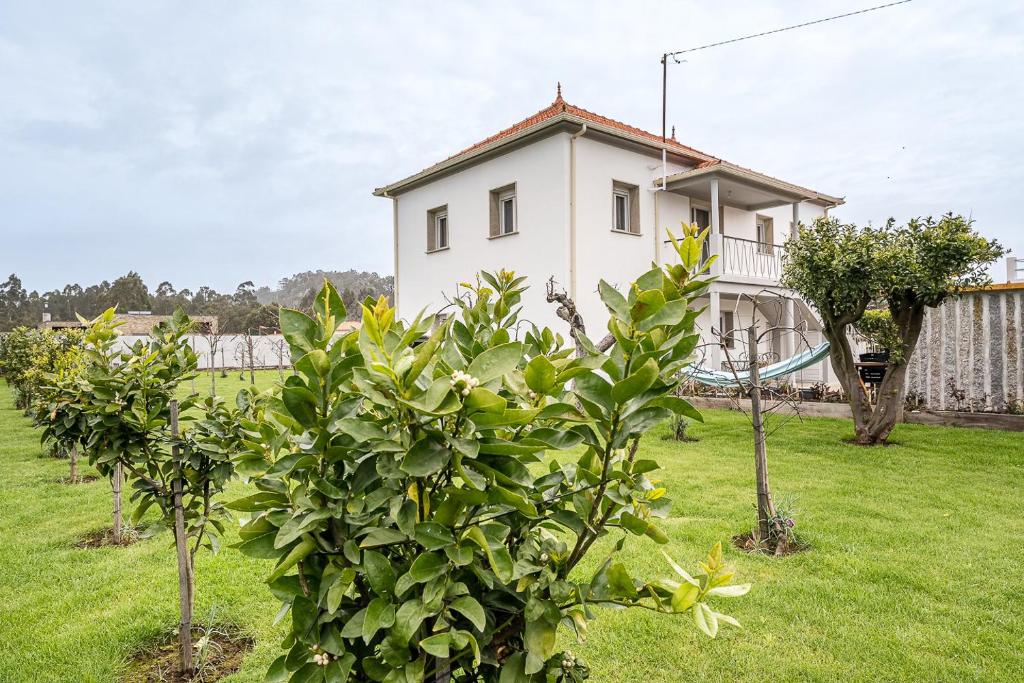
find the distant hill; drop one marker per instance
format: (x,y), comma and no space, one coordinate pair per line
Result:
(353,285)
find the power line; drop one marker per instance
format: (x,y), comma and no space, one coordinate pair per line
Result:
(675,55)
(786,28)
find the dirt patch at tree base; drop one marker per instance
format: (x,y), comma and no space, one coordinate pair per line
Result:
(749,543)
(102,538)
(219,656)
(84,479)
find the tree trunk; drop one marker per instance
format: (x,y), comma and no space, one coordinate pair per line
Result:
(115,483)
(73,456)
(185,579)
(765,507)
(252,362)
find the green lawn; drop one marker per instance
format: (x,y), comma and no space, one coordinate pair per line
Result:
(916,570)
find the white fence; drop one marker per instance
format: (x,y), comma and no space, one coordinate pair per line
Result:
(268,351)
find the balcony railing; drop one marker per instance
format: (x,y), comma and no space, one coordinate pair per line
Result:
(751,259)
(746,258)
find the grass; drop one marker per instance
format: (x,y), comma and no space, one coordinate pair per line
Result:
(915,571)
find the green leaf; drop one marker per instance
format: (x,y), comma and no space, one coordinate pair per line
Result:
(437,645)
(647,304)
(678,406)
(620,582)
(615,302)
(433,536)
(428,566)
(382,536)
(684,597)
(380,574)
(305,547)
(705,619)
(301,404)
(380,613)
(425,457)
(468,607)
(484,400)
(496,361)
(540,374)
(636,383)
(299,330)
(328,303)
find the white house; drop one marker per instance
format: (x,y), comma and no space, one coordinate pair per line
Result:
(573,195)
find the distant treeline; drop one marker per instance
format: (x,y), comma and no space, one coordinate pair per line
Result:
(247,308)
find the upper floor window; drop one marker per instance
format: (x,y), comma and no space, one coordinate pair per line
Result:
(625,208)
(620,211)
(437,229)
(765,235)
(504,212)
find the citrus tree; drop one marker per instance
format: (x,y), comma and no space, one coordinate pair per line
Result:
(57,408)
(429,491)
(133,422)
(842,270)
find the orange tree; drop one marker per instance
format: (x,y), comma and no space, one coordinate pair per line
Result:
(407,491)
(842,270)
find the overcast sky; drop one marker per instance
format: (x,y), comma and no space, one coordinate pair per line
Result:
(210,143)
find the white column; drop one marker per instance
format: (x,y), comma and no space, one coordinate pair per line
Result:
(716,235)
(715,311)
(789,338)
(796,219)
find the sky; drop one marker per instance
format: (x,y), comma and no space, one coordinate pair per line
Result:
(212,143)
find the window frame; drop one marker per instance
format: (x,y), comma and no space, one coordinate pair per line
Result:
(618,194)
(504,198)
(765,243)
(438,242)
(433,229)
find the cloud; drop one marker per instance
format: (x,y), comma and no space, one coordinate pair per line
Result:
(214,143)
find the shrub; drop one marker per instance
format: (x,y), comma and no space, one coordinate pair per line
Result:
(407,489)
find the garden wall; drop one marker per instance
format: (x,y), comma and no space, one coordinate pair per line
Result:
(972,344)
(231,350)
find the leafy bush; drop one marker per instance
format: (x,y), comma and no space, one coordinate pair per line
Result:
(132,415)
(29,356)
(416,496)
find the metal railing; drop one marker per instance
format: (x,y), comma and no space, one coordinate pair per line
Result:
(747,258)
(750,258)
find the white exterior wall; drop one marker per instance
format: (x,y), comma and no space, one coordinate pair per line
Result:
(538,251)
(541,172)
(602,253)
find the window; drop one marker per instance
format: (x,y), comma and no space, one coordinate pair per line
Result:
(441,226)
(508,213)
(620,211)
(765,235)
(625,208)
(727,328)
(702,218)
(504,212)
(438,233)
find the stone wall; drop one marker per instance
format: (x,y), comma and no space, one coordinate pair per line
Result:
(971,344)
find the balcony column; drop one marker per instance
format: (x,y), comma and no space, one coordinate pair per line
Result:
(714,354)
(716,236)
(789,339)
(796,220)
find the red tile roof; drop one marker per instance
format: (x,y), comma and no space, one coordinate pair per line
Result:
(560,106)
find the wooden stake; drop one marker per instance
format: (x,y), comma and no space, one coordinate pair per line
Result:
(765,509)
(74,463)
(181,545)
(116,486)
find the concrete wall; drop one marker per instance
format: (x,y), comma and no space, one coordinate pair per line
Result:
(229,350)
(539,250)
(976,341)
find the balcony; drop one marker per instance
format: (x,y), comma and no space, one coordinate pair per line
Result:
(740,258)
(748,258)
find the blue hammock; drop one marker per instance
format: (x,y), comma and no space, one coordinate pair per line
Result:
(724,379)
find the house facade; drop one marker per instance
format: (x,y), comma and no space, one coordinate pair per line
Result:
(578,197)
